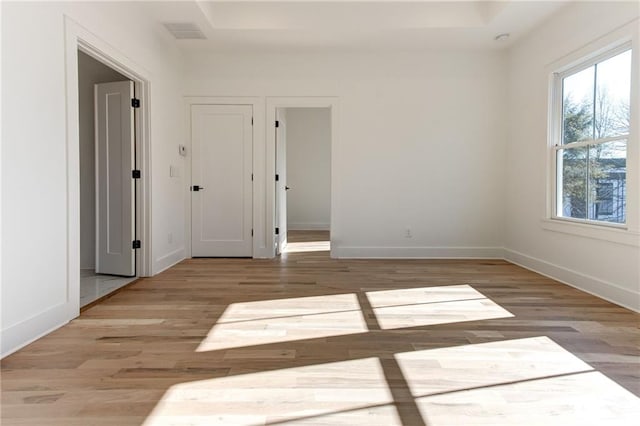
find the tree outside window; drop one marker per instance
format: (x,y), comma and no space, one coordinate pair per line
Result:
(592,156)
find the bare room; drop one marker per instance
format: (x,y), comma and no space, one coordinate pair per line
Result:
(297,212)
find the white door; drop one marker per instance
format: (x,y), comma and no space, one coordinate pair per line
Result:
(115,186)
(281,182)
(221,168)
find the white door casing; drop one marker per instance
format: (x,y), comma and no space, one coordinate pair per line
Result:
(221,169)
(281,183)
(115,186)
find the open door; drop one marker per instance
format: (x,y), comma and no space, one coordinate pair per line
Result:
(281,182)
(115,186)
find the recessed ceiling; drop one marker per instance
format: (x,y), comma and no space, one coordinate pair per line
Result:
(303,25)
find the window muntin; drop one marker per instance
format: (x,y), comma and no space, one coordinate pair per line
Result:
(591,152)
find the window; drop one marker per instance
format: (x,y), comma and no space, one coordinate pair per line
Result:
(592,119)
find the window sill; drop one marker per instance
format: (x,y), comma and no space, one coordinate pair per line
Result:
(611,234)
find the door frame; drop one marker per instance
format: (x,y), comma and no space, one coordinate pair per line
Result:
(274,103)
(257,104)
(280,131)
(79,38)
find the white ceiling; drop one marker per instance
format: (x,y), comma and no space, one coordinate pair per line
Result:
(303,25)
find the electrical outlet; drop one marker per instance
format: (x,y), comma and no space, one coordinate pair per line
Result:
(407,233)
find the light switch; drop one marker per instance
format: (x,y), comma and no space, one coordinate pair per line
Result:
(174,171)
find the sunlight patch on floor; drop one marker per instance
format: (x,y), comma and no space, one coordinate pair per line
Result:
(578,399)
(522,381)
(332,393)
(283,320)
(307,246)
(432,305)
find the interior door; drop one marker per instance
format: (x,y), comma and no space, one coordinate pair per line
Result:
(221,176)
(115,186)
(281,182)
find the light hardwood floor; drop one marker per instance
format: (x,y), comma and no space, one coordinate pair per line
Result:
(309,340)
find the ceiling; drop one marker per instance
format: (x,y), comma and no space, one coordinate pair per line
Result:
(303,25)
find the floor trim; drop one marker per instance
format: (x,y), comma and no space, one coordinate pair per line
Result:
(417,252)
(39,325)
(595,286)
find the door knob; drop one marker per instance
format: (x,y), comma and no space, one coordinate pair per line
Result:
(286,188)
(197,188)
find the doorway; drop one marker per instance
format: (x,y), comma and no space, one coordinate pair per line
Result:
(108,179)
(303,179)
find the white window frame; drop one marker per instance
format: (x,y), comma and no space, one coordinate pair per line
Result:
(608,46)
(558,145)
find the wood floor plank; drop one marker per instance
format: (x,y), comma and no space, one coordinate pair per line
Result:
(306,339)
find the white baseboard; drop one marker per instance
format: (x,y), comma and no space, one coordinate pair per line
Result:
(308,227)
(417,252)
(13,337)
(595,286)
(168,260)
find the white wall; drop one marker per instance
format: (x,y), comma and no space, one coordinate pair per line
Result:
(308,168)
(35,280)
(605,268)
(421,142)
(90,72)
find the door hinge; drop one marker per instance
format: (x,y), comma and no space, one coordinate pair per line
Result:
(251,177)
(135,103)
(135,174)
(252,232)
(252,121)
(277,177)
(277,123)
(136,244)
(277,231)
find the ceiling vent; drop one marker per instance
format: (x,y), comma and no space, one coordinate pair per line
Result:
(185,30)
